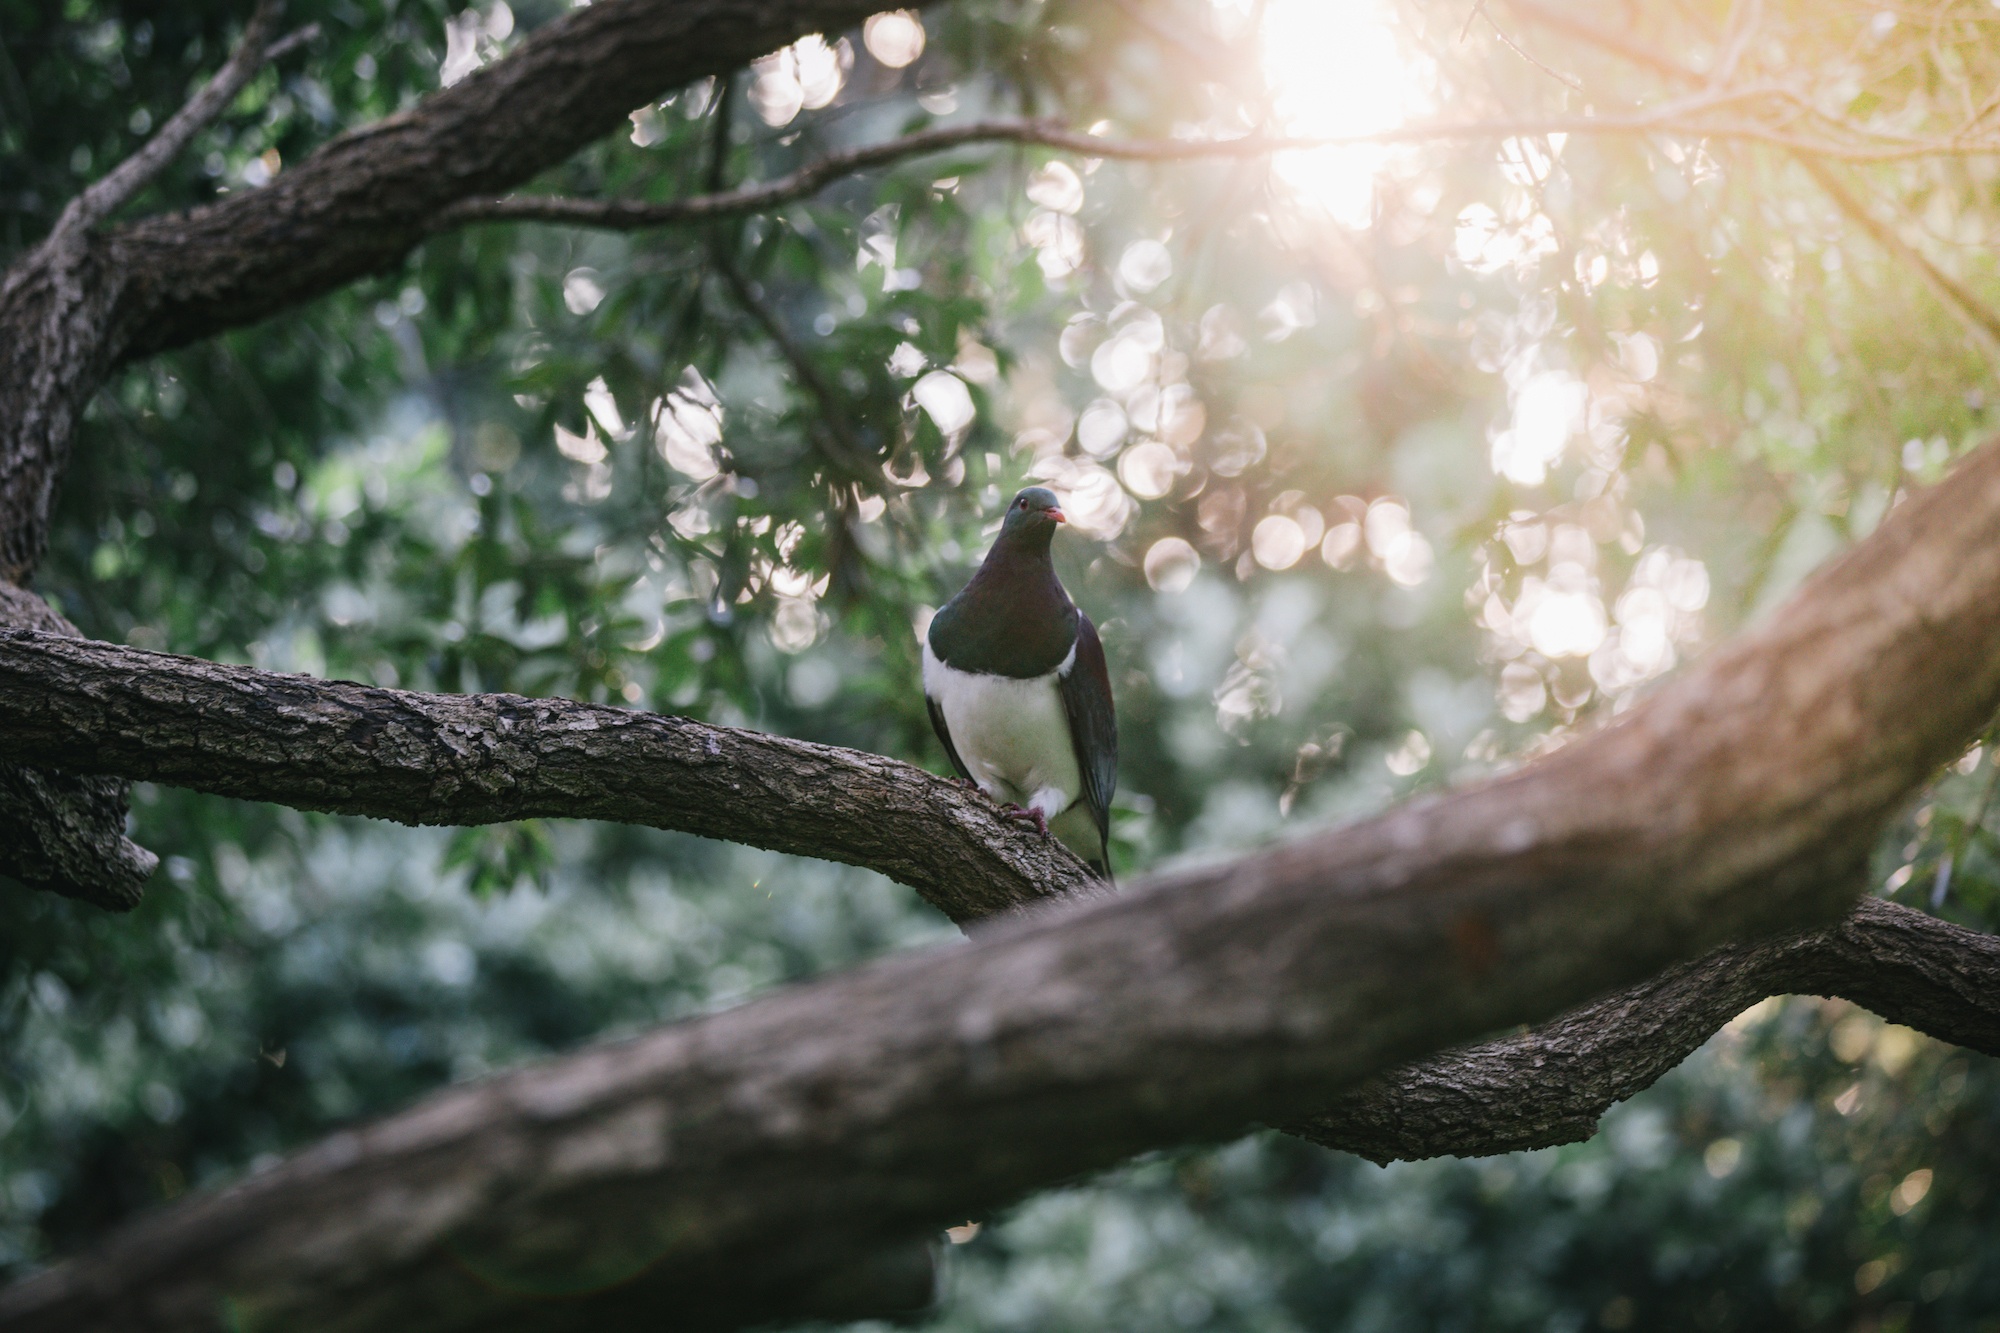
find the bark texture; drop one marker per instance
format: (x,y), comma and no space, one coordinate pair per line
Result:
(1551,1084)
(718,1169)
(88,298)
(59,830)
(481,759)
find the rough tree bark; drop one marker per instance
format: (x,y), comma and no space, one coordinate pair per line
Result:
(89,299)
(1550,1085)
(725,1169)
(482,759)
(59,830)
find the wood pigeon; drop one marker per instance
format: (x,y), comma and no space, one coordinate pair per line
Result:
(1018,691)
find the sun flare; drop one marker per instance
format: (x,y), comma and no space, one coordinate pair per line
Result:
(1335,70)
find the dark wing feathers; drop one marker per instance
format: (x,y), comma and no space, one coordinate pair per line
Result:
(944,737)
(1093,727)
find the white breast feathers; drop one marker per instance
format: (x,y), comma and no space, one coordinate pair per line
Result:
(1011,734)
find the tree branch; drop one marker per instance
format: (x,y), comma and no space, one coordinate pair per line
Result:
(104,196)
(626,215)
(1984,321)
(70,312)
(1549,1085)
(1683,116)
(86,300)
(831,434)
(60,831)
(483,759)
(291,42)
(559,1137)
(359,203)
(1981,317)
(723,1167)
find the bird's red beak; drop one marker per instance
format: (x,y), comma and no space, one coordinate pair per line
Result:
(1057,515)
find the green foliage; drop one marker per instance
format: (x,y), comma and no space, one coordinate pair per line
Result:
(1329,567)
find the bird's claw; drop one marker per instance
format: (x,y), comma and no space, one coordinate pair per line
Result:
(1035,817)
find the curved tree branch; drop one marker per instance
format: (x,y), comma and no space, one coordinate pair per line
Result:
(602,1130)
(87,299)
(1688,115)
(1549,1085)
(71,311)
(84,302)
(723,1167)
(480,759)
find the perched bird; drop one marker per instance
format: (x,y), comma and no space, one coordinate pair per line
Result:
(1018,691)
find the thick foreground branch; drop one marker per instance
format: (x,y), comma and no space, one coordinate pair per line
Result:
(560,1136)
(483,759)
(719,1170)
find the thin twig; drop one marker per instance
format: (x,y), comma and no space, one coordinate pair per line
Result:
(829,432)
(1514,46)
(1980,317)
(836,442)
(1478,8)
(1143,17)
(291,42)
(1683,116)
(1605,39)
(1745,17)
(117,186)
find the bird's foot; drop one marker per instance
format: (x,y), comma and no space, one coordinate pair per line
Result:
(1029,816)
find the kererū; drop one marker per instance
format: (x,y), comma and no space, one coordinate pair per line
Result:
(1018,691)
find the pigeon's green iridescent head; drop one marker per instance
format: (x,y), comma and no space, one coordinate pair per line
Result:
(1035,511)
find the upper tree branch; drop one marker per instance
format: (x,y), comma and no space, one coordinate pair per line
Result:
(723,1167)
(70,312)
(481,759)
(357,205)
